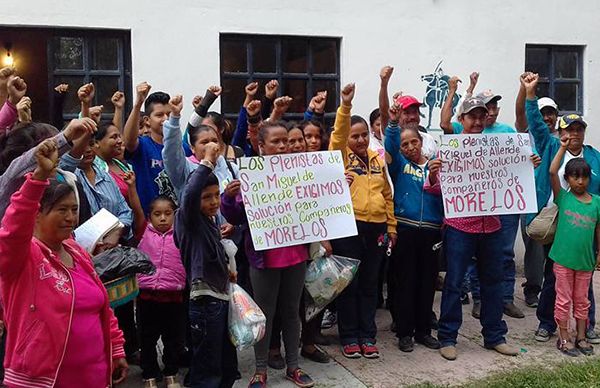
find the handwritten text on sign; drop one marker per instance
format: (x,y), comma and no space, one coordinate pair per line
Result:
(296,198)
(487,174)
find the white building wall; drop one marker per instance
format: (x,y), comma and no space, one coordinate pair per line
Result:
(175,43)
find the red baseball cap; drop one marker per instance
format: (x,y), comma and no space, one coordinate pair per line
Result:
(405,101)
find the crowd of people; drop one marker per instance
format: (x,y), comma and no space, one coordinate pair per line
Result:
(173,185)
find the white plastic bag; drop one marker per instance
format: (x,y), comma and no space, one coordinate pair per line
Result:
(326,278)
(247,323)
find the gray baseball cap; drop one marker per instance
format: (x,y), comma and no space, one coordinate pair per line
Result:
(470,104)
(488,96)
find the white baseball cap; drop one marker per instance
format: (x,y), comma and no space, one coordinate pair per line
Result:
(545,102)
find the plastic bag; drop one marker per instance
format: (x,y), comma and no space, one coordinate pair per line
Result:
(247,323)
(326,278)
(122,261)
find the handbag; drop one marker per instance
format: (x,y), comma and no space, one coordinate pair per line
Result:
(543,227)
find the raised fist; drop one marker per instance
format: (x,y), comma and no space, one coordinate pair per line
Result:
(118,100)
(86,93)
(348,94)
(271,89)
(176,104)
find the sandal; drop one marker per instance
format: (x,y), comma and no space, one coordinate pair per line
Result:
(585,350)
(562,346)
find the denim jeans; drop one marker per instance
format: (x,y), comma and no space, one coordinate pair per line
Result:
(357,304)
(460,247)
(214,361)
(533,262)
(510,226)
(545,309)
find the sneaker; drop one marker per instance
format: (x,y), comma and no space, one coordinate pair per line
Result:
(259,380)
(351,351)
(585,350)
(316,355)
(448,352)
(476,312)
(464,299)
(369,350)
(300,378)
(406,344)
(532,300)
(428,341)
(542,335)
(513,311)
(592,337)
(150,383)
(172,382)
(506,350)
(275,361)
(329,320)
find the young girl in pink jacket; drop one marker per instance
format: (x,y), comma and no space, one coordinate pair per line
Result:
(160,308)
(61,330)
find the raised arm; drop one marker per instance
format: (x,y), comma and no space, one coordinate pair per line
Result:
(254,121)
(139,218)
(118,101)
(270,94)
(555,165)
(280,106)
(392,140)
(19,220)
(446,113)
(384,100)
(174,160)
(341,127)
(86,96)
(537,126)
(520,115)
(59,95)
(316,107)
(131,132)
(16,88)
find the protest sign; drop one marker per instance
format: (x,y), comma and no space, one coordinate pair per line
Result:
(487,175)
(296,199)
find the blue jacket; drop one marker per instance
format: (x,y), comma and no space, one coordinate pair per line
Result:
(412,205)
(547,147)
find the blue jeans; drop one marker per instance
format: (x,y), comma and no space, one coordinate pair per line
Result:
(460,247)
(510,226)
(214,361)
(545,309)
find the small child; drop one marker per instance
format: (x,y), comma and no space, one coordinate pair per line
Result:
(573,247)
(214,359)
(160,305)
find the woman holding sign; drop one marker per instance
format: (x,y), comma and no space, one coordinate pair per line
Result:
(464,238)
(374,212)
(277,275)
(414,265)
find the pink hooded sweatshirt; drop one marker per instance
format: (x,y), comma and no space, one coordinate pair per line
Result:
(170,273)
(38,297)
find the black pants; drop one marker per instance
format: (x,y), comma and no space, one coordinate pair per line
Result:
(414,266)
(357,304)
(126,318)
(214,364)
(156,320)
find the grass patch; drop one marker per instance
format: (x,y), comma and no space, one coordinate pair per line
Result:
(566,374)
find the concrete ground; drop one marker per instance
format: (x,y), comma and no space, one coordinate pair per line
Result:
(397,369)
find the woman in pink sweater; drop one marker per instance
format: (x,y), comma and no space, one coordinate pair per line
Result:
(61,330)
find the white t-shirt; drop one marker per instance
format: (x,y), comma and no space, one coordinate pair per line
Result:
(561,175)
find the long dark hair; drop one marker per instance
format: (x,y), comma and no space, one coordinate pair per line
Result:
(21,139)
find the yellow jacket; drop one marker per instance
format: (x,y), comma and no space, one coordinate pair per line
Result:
(371,193)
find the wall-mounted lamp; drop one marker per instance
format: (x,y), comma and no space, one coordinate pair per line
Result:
(8,59)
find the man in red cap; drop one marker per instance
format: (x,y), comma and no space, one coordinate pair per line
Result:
(410,116)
